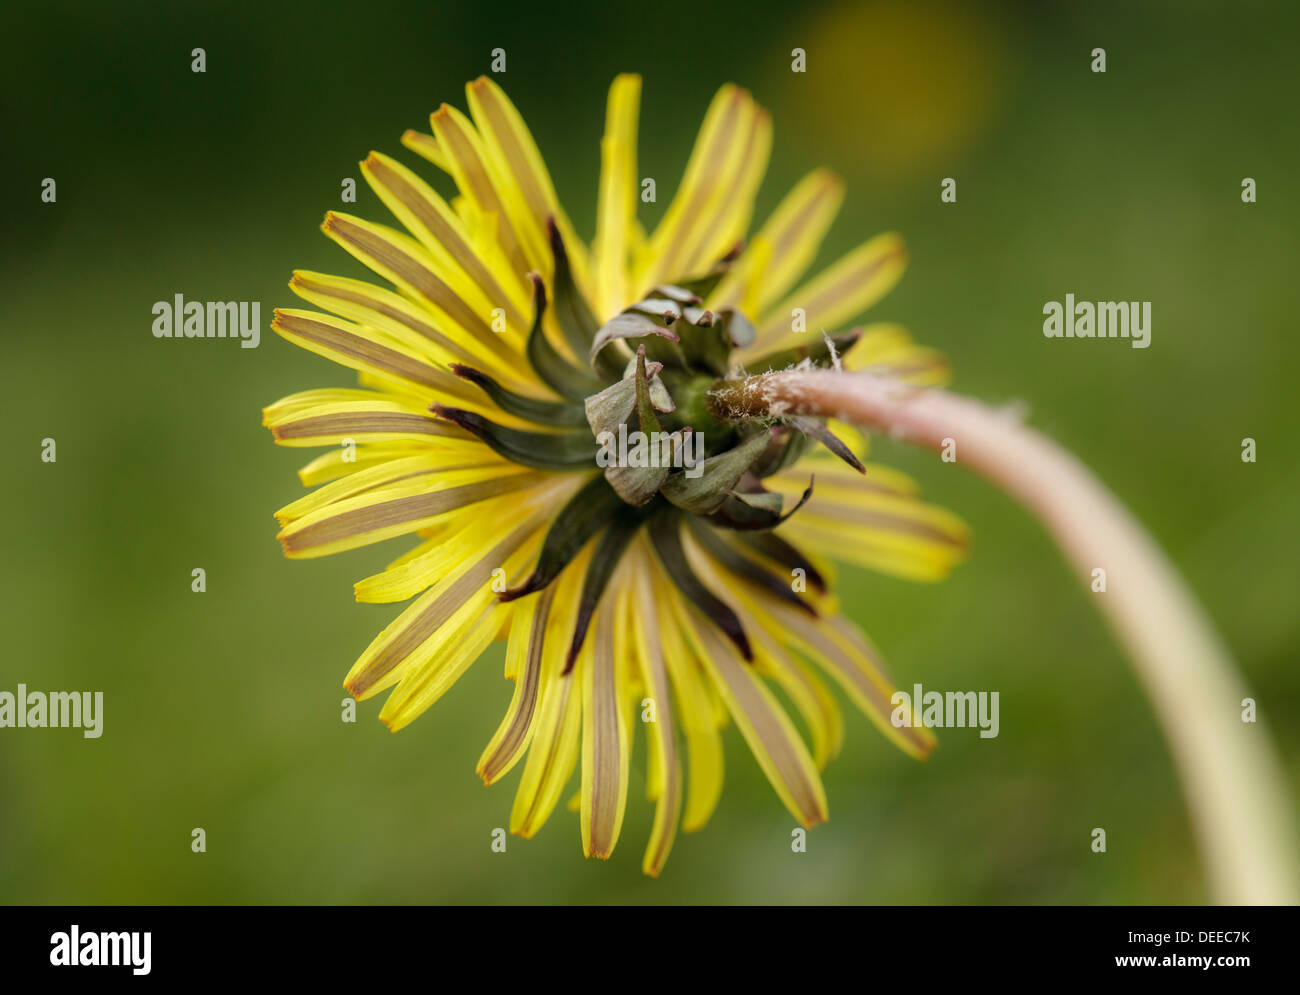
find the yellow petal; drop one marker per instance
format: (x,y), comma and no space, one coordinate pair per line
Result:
(666,790)
(335,463)
(425,146)
(726,217)
(695,703)
(417,634)
(455,304)
(807,692)
(396,509)
(412,325)
(605,746)
(616,204)
(793,234)
(860,519)
(555,740)
(524,663)
(843,652)
(428,217)
(371,478)
(426,682)
(467,163)
(361,348)
(771,736)
(512,155)
(837,295)
(708,213)
(743,283)
(384,418)
(467,531)
(889,349)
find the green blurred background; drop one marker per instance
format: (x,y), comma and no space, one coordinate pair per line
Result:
(222,709)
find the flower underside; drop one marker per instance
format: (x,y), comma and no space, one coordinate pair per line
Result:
(682,350)
(551,420)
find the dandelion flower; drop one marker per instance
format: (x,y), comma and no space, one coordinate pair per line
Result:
(673,587)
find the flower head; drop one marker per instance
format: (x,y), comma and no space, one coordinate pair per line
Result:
(547,419)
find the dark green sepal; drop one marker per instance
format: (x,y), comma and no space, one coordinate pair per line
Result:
(741,332)
(704,493)
(632,324)
(556,414)
(556,372)
(706,283)
(659,395)
(614,405)
(585,514)
(572,313)
(747,511)
(665,536)
(705,346)
(818,430)
(544,451)
(675,293)
(782,452)
(603,562)
(775,548)
(638,484)
(743,566)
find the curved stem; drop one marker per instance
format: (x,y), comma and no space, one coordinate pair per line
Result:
(1240,807)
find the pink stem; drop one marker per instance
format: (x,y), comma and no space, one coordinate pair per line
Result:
(1240,808)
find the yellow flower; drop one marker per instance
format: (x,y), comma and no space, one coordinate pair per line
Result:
(499,382)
